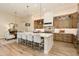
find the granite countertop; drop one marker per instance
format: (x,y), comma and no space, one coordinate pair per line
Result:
(41,34)
(45,34)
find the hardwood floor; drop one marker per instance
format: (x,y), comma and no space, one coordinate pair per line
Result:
(11,48)
(63,49)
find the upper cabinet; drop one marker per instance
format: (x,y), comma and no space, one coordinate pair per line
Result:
(74,18)
(66,21)
(38,24)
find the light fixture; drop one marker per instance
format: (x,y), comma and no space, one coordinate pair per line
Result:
(28,14)
(27,24)
(27,6)
(40,10)
(40,15)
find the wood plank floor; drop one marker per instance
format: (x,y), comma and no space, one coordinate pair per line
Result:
(11,48)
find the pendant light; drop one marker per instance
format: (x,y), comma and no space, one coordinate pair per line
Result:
(40,13)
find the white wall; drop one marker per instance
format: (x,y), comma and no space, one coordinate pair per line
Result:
(6,19)
(66,11)
(21,24)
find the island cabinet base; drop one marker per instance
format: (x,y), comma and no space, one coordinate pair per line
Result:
(48,44)
(63,37)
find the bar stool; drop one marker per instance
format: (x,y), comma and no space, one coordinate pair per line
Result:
(19,37)
(30,40)
(24,38)
(38,42)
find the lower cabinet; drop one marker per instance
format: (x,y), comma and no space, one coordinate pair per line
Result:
(77,47)
(67,38)
(76,43)
(63,37)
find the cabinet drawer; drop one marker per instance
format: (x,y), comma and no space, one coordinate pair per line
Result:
(57,35)
(58,38)
(63,37)
(67,35)
(67,38)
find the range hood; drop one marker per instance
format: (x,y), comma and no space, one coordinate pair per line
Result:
(48,22)
(48,19)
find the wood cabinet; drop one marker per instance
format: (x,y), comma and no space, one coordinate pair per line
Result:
(63,37)
(76,43)
(38,24)
(62,22)
(78,47)
(56,23)
(66,21)
(74,18)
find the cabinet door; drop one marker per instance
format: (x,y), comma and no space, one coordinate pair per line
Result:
(67,38)
(38,24)
(62,22)
(74,18)
(58,37)
(65,22)
(56,23)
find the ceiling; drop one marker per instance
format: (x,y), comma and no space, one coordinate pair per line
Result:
(21,10)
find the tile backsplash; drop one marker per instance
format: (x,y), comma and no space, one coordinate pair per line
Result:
(69,31)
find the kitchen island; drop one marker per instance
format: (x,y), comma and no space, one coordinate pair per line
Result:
(48,40)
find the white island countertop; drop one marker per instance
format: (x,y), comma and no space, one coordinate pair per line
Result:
(45,34)
(41,34)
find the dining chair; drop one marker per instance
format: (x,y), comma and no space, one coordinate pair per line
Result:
(8,36)
(38,41)
(19,37)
